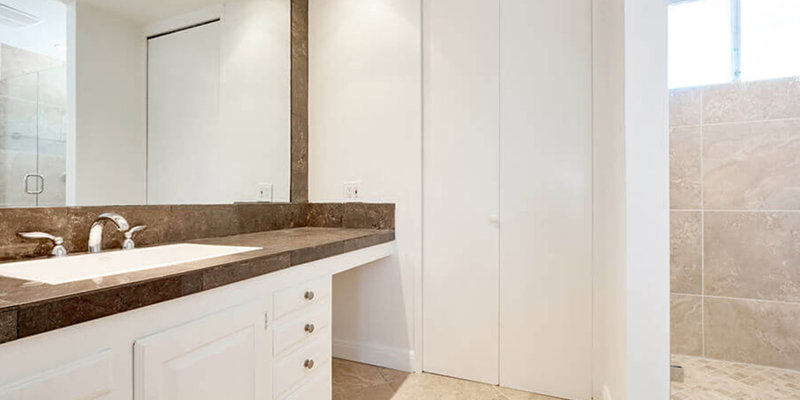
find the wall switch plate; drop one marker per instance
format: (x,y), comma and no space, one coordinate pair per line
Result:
(264,192)
(351,190)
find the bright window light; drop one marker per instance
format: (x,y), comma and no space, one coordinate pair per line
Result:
(770,39)
(700,42)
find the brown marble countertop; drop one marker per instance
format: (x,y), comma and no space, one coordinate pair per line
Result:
(28,308)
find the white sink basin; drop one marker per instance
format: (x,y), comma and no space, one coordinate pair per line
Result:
(87,266)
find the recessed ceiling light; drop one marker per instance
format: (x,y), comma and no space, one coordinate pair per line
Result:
(15,18)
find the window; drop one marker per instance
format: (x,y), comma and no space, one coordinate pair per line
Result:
(699,42)
(716,41)
(770,39)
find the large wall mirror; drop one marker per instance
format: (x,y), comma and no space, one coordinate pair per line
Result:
(144,102)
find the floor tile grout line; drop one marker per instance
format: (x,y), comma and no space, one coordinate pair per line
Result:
(383,376)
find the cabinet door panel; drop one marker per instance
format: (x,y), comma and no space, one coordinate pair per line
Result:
(85,379)
(220,356)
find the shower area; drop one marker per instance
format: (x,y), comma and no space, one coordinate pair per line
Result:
(735,199)
(33,129)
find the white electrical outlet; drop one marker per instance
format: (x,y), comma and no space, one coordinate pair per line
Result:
(351,190)
(264,192)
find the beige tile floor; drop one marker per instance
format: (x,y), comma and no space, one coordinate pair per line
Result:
(706,379)
(354,381)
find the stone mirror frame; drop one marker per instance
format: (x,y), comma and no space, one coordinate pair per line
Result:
(298,192)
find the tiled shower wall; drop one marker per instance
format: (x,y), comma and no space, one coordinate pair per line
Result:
(735,221)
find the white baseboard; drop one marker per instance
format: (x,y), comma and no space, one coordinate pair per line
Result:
(382,356)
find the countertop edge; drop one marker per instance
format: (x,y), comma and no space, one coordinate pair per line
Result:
(20,320)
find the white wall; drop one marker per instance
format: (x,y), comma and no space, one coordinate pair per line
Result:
(365,124)
(185,150)
(610,296)
(255,100)
(106,158)
(647,174)
(631,256)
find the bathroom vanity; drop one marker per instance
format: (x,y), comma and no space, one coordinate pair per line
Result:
(255,324)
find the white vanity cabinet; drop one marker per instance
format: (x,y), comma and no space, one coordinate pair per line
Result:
(218,356)
(231,354)
(265,338)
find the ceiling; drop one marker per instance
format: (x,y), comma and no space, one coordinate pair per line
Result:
(145,12)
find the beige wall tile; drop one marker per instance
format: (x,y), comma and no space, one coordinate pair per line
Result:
(685,252)
(755,332)
(684,107)
(752,255)
(752,165)
(686,322)
(684,167)
(751,101)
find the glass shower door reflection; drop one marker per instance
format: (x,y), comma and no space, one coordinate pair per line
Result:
(18,138)
(33,139)
(52,136)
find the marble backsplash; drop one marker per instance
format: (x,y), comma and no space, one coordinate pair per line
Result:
(167,224)
(735,221)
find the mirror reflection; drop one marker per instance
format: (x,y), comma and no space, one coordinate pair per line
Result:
(144,102)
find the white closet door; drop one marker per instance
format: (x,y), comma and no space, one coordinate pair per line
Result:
(460,185)
(183,135)
(546,197)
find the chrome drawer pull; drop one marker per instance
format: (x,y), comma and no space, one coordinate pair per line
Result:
(309,364)
(309,328)
(309,295)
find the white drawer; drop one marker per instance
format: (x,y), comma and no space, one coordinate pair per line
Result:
(295,298)
(288,372)
(318,388)
(303,327)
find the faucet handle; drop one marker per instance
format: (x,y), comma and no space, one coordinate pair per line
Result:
(58,242)
(128,244)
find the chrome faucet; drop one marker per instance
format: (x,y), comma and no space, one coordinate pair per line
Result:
(58,242)
(96,233)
